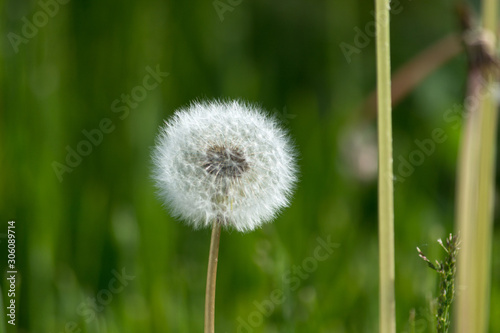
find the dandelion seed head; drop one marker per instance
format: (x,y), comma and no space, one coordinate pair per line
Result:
(224,161)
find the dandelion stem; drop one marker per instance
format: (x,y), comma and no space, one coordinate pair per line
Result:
(211,278)
(387,302)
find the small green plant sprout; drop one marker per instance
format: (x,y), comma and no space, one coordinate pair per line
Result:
(446,270)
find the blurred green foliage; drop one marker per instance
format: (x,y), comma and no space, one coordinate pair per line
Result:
(74,235)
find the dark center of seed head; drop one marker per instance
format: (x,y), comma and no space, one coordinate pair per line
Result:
(225,162)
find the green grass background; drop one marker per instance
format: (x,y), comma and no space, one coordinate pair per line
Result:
(105,216)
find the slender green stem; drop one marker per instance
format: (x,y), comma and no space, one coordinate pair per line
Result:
(387,302)
(466,210)
(485,212)
(488,115)
(475,196)
(211,278)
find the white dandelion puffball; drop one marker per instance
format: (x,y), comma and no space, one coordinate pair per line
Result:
(226,162)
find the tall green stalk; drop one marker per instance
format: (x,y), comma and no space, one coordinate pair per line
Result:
(485,212)
(475,204)
(488,116)
(387,302)
(466,211)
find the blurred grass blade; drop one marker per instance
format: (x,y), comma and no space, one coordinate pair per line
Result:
(387,302)
(476,188)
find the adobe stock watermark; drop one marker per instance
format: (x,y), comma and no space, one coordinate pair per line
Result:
(29,30)
(292,279)
(363,38)
(427,146)
(121,107)
(223,6)
(89,308)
